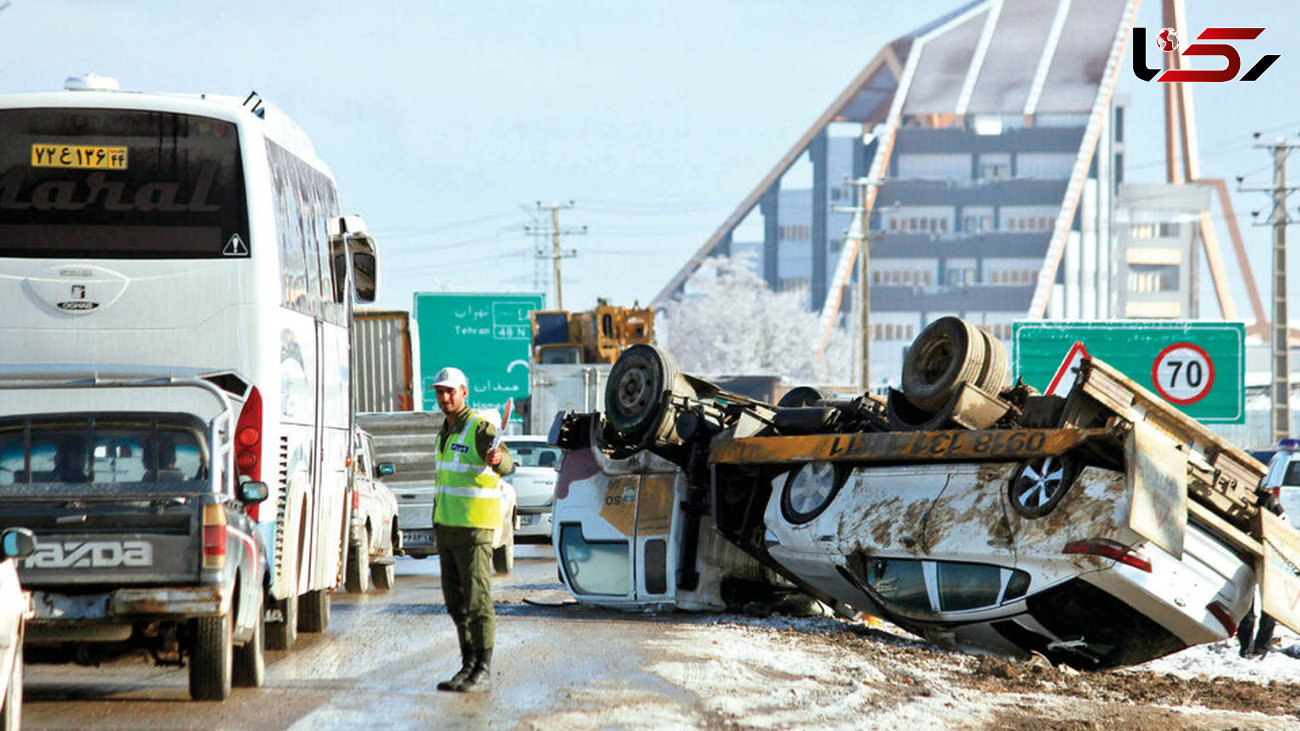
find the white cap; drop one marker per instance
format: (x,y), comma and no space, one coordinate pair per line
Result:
(450,378)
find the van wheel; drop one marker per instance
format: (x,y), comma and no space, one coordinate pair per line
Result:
(250,660)
(384,575)
(314,614)
(634,393)
(947,353)
(210,658)
(357,578)
(1039,484)
(283,634)
(11,714)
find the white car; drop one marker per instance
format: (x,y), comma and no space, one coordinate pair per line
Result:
(15,608)
(534,478)
(1005,556)
(375,538)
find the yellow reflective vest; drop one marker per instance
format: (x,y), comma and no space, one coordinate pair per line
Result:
(469,490)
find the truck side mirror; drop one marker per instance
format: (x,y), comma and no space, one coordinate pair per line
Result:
(384,468)
(17,543)
(253,492)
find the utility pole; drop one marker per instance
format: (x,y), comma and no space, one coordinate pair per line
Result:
(859,235)
(1279,220)
(556,253)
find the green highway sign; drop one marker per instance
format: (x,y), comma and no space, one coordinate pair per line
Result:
(486,334)
(1199,367)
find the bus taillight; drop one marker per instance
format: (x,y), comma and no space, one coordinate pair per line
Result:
(248,441)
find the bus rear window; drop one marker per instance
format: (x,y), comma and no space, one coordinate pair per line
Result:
(116,184)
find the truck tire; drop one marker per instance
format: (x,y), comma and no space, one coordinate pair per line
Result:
(383,575)
(211,658)
(356,579)
(283,635)
(250,660)
(1038,485)
(994,377)
(634,394)
(947,353)
(11,714)
(314,612)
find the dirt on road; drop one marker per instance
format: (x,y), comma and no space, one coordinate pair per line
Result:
(825,673)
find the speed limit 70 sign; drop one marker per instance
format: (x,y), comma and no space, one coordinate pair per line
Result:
(1199,367)
(1183,373)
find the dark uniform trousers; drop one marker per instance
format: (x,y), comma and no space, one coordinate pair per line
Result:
(466,558)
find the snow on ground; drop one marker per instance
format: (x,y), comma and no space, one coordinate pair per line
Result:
(1222,659)
(780,672)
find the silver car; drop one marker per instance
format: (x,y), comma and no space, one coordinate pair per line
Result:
(536,469)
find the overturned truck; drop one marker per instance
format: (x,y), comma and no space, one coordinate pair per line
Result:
(1103,528)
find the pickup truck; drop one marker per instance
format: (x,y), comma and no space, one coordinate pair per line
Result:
(143,542)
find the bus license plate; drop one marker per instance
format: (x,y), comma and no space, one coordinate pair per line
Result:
(94,157)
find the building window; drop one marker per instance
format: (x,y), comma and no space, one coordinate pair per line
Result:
(795,233)
(1170,230)
(792,284)
(1142,231)
(958,277)
(995,171)
(1145,279)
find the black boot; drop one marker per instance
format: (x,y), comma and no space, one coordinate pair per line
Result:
(480,678)
(468,661)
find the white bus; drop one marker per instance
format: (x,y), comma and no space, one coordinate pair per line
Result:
(197,231)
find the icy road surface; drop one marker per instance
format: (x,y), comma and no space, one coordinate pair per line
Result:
(565,667)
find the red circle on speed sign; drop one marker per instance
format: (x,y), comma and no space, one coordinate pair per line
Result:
(1183,373)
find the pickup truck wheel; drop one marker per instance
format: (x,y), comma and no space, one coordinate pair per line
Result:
(384,575)
(283,634)
(11,714)
(250,660)
(314,614)
(210,658)
(947,353)
(357,579)
(1039,484)
(994,376)
(503,556)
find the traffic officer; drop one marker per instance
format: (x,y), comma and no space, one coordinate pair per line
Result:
(466,511)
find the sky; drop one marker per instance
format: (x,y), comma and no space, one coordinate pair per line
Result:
(447,123)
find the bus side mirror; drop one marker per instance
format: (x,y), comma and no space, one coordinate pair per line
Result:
(364,269)
(253,492)
(17,543)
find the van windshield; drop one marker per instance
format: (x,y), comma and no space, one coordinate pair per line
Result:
(116,184)
(112,451)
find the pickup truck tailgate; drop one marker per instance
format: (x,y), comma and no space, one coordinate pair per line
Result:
(83,543)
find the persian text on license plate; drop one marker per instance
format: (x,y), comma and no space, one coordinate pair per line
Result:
(94,157)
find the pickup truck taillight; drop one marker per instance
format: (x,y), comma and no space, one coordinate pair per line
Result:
(214,536)
(248,441)
(1110,549)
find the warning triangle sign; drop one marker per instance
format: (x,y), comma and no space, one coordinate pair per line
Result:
(235,247)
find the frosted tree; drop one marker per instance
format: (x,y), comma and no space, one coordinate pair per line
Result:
(732,324)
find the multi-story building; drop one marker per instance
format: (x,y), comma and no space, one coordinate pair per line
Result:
(1157,237)
(989,148)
